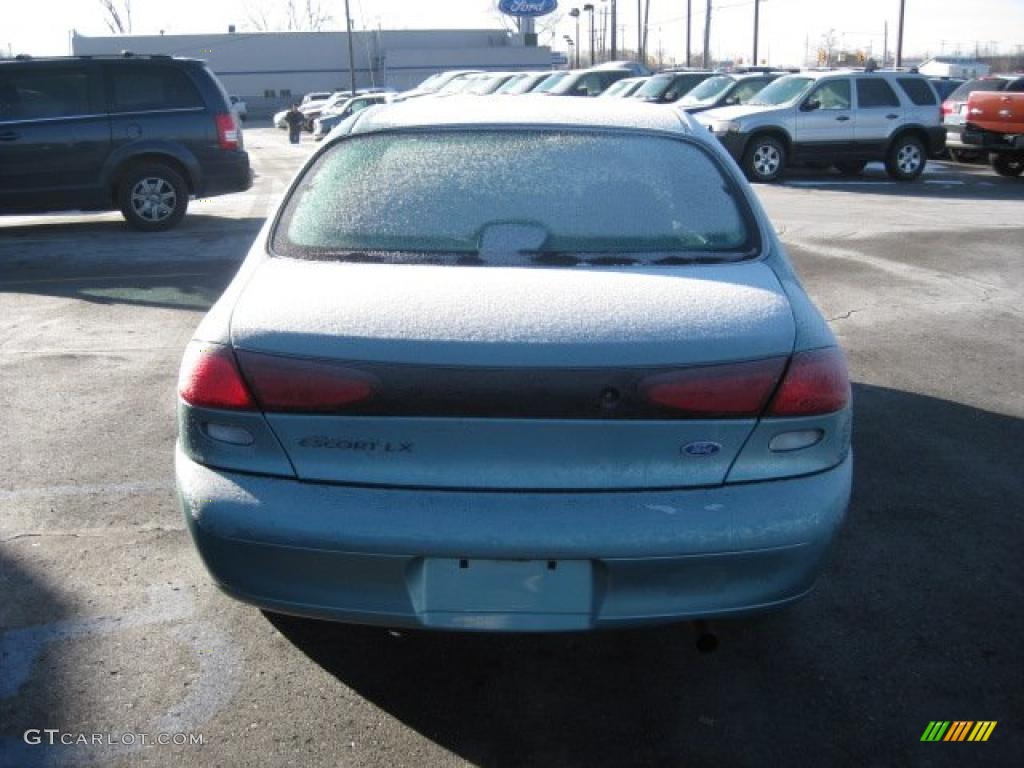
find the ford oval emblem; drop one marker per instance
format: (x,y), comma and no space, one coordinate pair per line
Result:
(702,448)
(527,7)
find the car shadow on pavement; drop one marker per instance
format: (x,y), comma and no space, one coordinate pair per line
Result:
(32,675)
(917,617)
(971,182)
(103,262)
(188,287)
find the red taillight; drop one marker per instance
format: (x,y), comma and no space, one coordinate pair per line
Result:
(209,378)
(948,108)
(816,383)
(297,385)
(228,132)
(734,390)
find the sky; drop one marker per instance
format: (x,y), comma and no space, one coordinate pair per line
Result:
(788,27)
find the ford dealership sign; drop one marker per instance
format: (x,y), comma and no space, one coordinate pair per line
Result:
(527,7)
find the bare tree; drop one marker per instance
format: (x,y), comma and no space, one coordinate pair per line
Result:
(828,44)
(315,17)
(303,16)
(259,16)
(117,16)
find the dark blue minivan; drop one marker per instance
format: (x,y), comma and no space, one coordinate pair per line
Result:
(136,133)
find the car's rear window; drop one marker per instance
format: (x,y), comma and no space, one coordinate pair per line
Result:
(516,198)
(144,88)
(965,90)
(918,89)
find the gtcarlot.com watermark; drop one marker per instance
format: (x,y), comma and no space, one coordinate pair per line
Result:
(55,736)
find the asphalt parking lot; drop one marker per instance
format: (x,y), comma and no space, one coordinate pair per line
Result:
(110,624)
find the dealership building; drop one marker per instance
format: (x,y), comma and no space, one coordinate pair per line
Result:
(270,69)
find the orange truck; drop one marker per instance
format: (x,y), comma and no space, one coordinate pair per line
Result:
(995,122)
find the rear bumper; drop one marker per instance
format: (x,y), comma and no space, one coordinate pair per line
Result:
(991,141)
(392,557)
(224,173)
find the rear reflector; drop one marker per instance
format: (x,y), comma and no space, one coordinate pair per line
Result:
(296,385)
(816,383)
(733,390)
(228,133)
(209,378)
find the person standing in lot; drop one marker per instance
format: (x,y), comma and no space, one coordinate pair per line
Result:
(295,120)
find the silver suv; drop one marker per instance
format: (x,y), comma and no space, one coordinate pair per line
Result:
(845,118)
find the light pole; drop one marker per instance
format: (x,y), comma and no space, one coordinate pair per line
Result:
(899,39)
(589,8)
(351,55)
(615,51)
(707,36)
(569,44)
(575,13)
(757,8)
(688,18)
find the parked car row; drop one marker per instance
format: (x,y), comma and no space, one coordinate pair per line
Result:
(313,105)
(767,119)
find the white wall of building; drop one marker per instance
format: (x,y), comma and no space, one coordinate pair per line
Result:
(953,66)
(270,69)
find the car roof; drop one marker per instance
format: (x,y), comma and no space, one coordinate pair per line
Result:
(536,110)
(823,74)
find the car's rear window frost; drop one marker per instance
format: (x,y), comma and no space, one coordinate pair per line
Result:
(549,193)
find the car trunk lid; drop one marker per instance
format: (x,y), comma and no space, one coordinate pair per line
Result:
(512,378)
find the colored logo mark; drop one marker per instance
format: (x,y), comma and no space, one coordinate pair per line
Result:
(958,730)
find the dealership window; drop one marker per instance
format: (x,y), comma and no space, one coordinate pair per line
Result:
(285,92)
(269,94)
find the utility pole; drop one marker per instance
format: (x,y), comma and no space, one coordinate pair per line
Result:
(689,16)
(351,54)
(647,15)
(615,51)
(640,31)
(757,6)
(593,61)
(885,44)
(899,38)
(707,36)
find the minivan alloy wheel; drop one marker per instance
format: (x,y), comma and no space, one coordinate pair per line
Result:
(153,199)
(153,196)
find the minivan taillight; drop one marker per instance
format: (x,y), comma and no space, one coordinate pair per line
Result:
(816,383)
(733,390)
(209,378)
(301,385)
(228,133)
